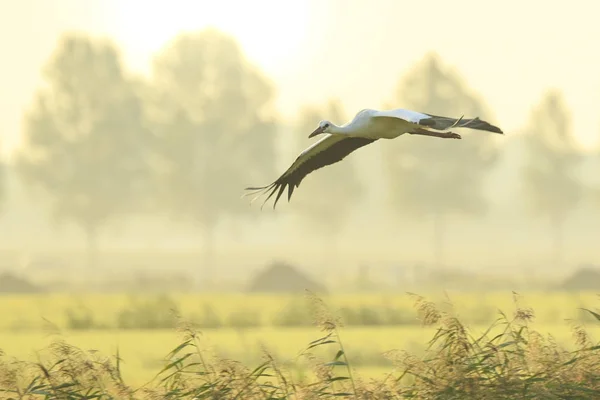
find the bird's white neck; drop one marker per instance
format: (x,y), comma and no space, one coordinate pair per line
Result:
(353,128)
(339,130)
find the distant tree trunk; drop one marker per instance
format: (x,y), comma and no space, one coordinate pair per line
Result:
(330,254)
(206,273)
(438,239)
(558,224)
(327,252)
(92,246)
(332,240)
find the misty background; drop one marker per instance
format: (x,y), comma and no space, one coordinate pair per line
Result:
(128,131)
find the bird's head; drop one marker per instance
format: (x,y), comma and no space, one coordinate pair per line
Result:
(322,128)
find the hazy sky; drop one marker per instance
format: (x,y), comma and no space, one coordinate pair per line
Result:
(509,51)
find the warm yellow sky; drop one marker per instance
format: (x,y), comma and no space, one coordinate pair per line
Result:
(355,50)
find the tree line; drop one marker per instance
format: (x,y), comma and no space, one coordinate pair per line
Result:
(103,143)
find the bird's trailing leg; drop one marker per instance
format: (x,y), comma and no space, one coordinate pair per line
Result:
(443,135)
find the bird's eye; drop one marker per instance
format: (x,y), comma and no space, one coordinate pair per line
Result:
(326,126)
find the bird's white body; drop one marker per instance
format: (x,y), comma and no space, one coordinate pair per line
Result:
(366,127)
(373,124)
(370,124)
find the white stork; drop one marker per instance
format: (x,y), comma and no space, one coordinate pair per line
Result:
(366,127)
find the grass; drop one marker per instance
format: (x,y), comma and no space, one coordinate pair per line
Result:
(142,350)
(509,360)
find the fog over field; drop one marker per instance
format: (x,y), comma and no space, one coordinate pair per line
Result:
(129,131)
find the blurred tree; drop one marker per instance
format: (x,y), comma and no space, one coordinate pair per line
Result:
(327,197)
(3,183)
(438,177)
(212,113)
(84,137)
(549,177)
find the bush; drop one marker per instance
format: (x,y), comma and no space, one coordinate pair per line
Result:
(160,313)
(11,283)
(363,316)
(244,319)
(208,319)
(80,318)
(372,316)
(400,316)
(295,313)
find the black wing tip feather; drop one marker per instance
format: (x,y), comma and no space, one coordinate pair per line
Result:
(478,123)
(487,126)
(278,186)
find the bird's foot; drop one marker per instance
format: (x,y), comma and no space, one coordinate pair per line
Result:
(452,135)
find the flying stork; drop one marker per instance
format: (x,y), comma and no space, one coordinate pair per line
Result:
(367,126)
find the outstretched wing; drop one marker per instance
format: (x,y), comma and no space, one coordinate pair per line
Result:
(329,150)
(438,122)
(442,123)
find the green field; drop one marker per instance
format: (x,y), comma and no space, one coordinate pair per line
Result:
(239,326)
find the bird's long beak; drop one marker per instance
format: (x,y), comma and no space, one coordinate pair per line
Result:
(316,132)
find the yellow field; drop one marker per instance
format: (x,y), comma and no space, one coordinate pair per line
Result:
(29,323)
(37,311)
